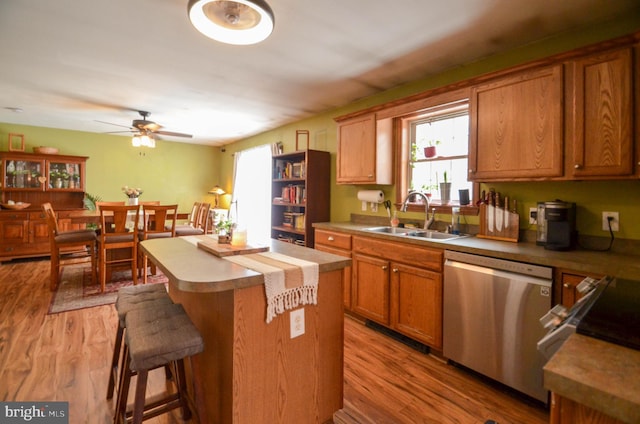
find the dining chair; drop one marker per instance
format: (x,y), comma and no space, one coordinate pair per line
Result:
(67,240)
(198,221)
(159,221)
(117,234)
(100,203)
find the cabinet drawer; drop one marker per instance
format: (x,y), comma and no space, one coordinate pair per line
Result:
(34,216)
(14,216)
(423,257)
(333,239)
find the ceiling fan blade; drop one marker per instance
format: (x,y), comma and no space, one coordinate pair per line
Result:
(118,132)
(173,134)
(111,123)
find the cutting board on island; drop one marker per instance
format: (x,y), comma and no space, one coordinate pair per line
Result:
(211,245)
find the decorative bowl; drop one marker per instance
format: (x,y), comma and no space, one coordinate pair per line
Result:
(43,150)
(15,206)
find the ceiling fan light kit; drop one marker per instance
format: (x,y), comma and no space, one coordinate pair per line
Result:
(239,22)
(143,140)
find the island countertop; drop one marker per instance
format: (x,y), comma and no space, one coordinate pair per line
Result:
(192,269)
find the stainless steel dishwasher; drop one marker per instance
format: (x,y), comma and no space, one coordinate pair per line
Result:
(491,315)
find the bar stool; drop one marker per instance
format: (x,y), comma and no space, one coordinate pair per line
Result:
(130,298)
(156,337)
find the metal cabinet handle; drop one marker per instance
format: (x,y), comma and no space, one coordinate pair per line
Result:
(566,285)
(330,238)
(384,267)
(395,269)
(370,176)
(577,166)
(471,171)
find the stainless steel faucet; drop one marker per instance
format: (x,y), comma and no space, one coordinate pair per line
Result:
(427,221)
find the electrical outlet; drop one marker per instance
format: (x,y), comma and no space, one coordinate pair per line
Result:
(615,222)
(533,216)
(296,322)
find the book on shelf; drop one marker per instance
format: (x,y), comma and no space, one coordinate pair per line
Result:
(294,194)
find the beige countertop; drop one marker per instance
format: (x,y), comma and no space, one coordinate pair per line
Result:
(586,261)
(192,269)
(601,375)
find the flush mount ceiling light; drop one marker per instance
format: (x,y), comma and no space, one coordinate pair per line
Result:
(239,22)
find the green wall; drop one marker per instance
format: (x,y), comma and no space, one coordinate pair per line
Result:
(172,172)
(591,197)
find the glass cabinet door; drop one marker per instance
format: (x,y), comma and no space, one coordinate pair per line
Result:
(22,174)
(65,175)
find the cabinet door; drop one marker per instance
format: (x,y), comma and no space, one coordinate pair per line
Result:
(566,294)
(416,303)
(356,155)
(601,115)
(516,127)
(14,230)
(370,288)
(346,272)
(38,229)
(566,411)
(22,173)
(65,175)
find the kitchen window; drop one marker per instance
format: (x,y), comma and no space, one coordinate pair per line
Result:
(439,152)
(441,121)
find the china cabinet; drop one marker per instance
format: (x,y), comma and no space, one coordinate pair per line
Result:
(300,195)
(34,179)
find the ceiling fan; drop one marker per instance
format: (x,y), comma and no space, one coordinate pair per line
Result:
(145,127)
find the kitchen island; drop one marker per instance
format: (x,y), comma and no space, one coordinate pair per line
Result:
(251,371)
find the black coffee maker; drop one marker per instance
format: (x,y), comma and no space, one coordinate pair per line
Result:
(560,220)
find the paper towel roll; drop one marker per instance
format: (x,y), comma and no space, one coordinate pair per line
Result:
(375,196)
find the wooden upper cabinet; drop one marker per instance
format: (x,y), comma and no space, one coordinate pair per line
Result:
(364,151)
(517,127)
(600,115)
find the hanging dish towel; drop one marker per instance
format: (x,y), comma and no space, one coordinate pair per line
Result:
(288,282)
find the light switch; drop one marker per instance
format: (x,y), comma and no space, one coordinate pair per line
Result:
(296,320)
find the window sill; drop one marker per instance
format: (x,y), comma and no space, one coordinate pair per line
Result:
(443,209)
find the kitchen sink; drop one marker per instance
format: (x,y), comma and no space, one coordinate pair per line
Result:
(418,233)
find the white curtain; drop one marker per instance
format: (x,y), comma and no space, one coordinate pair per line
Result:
(251,200)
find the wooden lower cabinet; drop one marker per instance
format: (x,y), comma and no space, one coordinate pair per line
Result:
(400,286)
(370,288)
(23,234)
(565,291)
(337,244)
(566,411)
(416,303)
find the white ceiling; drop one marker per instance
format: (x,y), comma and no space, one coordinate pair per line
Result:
(69,63)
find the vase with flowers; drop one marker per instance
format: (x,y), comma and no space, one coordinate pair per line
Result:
(132,194)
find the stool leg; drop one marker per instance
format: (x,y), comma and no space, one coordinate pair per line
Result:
(181,384)
(117,346)
(123,388)
(141,388)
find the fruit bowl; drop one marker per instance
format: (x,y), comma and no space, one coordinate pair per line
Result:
(43,150)
(15,206)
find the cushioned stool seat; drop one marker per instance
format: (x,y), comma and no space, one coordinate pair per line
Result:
(130,298)
(156,337)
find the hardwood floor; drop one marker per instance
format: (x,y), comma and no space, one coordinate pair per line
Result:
(65,357)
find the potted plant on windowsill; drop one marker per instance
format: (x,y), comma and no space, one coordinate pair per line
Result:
(430,150)
(445,190)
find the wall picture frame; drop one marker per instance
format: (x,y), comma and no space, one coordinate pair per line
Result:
(16,142)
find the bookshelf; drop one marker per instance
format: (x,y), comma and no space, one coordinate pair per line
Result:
(300,195)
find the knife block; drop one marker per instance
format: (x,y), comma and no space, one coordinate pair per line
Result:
(508,232)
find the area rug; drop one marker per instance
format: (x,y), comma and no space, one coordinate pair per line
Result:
(76,291)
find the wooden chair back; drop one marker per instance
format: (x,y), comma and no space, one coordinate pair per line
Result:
(203,217)
(193,216)
(99,204)
(52,221)
(159,221)
(118,230)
